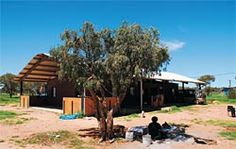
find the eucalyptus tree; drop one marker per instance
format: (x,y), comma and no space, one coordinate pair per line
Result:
(208,79)
(107,61)
(10,86)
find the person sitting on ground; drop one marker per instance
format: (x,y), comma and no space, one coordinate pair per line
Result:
(154,128)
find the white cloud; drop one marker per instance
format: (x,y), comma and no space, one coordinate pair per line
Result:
(174,45)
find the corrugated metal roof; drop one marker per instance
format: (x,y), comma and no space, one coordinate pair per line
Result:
(41,68)
(169,76)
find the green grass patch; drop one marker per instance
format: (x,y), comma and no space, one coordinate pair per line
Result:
(228,135)
(222,123)
(63,137)
(189,108)
(131,117)
(173,109)
(16,121)
(6,100)
(219,98)
(7,115)
(230,127)
(12,118)
(170,110)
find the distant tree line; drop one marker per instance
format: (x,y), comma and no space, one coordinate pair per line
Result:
(12,87)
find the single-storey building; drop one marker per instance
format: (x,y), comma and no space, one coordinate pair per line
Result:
(152,91)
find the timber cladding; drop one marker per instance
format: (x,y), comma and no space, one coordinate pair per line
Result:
(24,101)
(72,105)
(62,88)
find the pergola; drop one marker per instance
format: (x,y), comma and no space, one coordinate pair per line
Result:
(41,68)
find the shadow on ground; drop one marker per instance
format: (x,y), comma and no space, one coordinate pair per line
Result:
(176,133)
(119,132)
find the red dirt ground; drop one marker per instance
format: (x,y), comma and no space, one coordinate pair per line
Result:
(44,121)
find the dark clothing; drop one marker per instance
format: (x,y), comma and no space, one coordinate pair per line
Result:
(154,130)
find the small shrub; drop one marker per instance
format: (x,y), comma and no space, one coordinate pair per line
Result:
(232,94)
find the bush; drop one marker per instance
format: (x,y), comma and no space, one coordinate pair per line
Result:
(232,94)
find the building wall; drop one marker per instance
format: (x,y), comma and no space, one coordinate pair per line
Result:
(63,89)
(151,89)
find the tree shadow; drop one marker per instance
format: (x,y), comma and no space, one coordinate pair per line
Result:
(176,133)
(89,132)
(119,132)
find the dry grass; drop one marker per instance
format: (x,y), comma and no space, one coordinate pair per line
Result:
(229,132)
(62,137)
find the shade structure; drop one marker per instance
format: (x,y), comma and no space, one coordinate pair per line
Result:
(41,68)
(169,76)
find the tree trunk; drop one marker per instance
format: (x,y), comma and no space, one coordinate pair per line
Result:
(121,98)
(104,117)
(110,124)
(10,94)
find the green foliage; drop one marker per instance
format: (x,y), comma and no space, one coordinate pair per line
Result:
(232,94)
(10,86)
(228,135)
(207,78)
(220,98)
(109,58)
(208,90)
(30,88)
(6,100)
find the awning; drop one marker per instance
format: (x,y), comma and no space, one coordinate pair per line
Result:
(41,68)
(169,76)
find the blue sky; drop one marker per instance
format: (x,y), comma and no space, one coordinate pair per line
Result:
(201,35)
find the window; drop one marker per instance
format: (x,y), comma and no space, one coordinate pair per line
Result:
(132,91)
(54,91)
